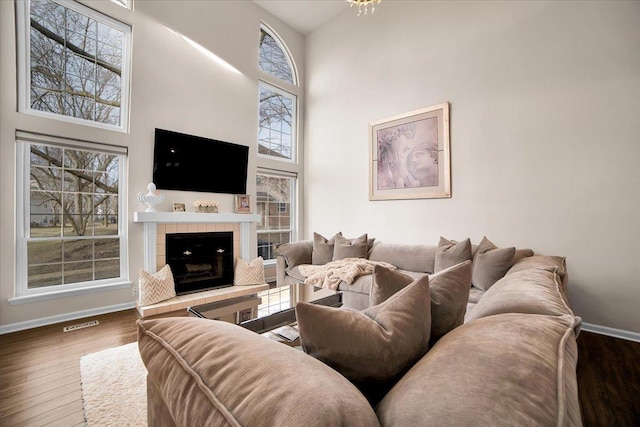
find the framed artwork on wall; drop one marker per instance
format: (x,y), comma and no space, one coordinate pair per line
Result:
(243,203)
(410,155)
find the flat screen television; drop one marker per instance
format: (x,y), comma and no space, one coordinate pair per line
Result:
(192,163)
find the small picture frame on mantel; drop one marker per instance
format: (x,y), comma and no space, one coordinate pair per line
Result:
(179,207)
(243,203)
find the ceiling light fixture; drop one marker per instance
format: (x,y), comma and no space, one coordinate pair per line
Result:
(364,5)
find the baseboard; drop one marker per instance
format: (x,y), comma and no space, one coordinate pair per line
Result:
(44,321)
(611,332)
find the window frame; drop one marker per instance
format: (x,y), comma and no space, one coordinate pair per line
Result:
(294,123)
(23,293)
(293,207)
(285,50)
(23,37)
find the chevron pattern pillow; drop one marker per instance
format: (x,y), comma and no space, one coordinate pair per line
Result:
(251,273)
(156,287)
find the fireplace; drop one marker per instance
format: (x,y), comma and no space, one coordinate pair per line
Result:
(200,261)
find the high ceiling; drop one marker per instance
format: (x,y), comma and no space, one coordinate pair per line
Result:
(303,15)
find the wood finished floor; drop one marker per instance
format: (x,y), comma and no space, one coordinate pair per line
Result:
(40,373)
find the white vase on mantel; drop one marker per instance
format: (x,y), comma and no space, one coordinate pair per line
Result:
(151,199)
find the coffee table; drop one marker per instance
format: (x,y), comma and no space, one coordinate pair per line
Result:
(276,321)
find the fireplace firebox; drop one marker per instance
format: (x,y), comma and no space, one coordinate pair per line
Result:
(200,261)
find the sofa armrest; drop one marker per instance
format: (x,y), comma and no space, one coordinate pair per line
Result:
(296,253)
(281,266)
(213,373)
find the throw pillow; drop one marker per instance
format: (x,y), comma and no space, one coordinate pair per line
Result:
(156,287)
(249,273)
(490,264)
(350,248)
(322,249)
(374,347)
(448,289)
(295,253)
(450,253)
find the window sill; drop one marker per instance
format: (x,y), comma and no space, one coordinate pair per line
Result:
(28,299)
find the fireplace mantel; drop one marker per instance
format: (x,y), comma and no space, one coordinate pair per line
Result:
(150,220)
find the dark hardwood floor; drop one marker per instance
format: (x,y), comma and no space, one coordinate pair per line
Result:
(40,373)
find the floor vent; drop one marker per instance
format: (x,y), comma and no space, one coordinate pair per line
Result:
(80,326)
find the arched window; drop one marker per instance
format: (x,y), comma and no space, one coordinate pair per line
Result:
(274,59)
(278,163)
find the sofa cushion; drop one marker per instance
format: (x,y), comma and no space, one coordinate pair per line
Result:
(525,374)
(249,273)
(537,261)
(450,253)
(448,289)
(350,248)
(374,347)
(533,291)
(475,294)
(322,249)
(296,253)
(490,264)
(156,287)
(213,373)
(419,258)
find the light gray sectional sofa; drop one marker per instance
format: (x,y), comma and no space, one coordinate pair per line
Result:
(513,361)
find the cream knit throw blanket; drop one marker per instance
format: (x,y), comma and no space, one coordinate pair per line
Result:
(345,270)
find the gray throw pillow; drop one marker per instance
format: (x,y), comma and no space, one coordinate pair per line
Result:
(450,253)
(295,253)
(372,348)
(350,248)
(490,264)
(448,289)
(322,249)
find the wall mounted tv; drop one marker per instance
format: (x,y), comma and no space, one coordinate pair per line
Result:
(192,163)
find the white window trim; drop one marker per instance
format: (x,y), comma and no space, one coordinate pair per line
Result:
(23,18)
(23,294)
(294,123)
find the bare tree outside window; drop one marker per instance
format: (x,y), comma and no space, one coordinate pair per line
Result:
(275,137)
(76,64)
(73,216)
(272,59)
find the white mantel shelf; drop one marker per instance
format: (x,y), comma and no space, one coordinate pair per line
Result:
(150,220)
(194,217)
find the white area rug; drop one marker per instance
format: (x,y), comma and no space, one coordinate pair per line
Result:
(114,389)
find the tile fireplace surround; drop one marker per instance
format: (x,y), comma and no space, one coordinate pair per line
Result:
(158,224)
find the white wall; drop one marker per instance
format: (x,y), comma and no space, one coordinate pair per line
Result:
(173,87)
(545,132)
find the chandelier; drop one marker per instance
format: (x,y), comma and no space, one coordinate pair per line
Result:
(364,5)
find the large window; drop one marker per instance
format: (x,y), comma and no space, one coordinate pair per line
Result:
(75,63)
(275,194)
(278,162)
(71,214)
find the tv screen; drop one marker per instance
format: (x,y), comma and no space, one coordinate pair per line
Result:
(192,163)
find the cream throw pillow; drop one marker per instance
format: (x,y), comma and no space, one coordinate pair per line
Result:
(156,287)
(249,273)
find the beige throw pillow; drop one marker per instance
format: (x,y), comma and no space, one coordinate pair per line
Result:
(372,348)
(490,264)
(156,287)
(251,273)
(450,253)
(350,248)
(449,291)
(322,249)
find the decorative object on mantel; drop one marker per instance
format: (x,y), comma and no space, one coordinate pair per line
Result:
(410,155)
(206,206)
(364,5)
(243,203)
(179,207)
(151,199)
